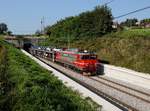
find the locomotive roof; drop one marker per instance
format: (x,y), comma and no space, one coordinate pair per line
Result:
(77,52)
(74,51)
(68,51)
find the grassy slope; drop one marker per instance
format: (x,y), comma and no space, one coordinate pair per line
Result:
(2,61)
(130,49)
(32,88)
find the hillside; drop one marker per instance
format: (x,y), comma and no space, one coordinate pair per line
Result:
(128,48)
(94,23)
(93,30)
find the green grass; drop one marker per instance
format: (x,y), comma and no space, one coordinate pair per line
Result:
(32,88)
(2,58)
(1,38)
(130,49)
(131,33)
(1,53)
(2,62)
(4,85)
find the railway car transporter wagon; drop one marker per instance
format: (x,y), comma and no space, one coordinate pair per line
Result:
(81,61)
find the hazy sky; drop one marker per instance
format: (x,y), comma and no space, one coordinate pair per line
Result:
(24,16)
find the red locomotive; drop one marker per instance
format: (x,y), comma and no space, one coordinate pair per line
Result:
(82,61)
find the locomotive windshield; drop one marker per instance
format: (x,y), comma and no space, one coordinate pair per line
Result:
(86,57)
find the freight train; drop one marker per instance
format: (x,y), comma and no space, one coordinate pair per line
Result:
(83,61)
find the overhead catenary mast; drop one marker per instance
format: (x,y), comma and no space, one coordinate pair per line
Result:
(42,25)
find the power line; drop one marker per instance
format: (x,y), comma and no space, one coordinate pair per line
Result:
(132,12)
(109,2)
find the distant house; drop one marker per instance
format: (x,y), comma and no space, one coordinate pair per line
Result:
(147,25)
(115,25)
(138,23)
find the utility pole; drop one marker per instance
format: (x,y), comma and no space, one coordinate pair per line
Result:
(42,25)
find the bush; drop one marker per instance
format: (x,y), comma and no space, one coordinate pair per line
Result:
(93,23)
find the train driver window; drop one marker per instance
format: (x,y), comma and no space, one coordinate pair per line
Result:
(85,57)
(93,57)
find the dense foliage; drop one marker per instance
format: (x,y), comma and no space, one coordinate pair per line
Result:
(2,59)
(129,22)
(4,29)
(4,84)
(145,20)
(28,87)
(88,24)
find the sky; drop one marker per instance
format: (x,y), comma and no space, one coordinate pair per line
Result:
(24,16)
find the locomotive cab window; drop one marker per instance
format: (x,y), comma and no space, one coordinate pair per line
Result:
(93,57)
(86,57)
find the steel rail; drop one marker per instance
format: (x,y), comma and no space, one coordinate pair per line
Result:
(138,97)
(121,105)
(125,86)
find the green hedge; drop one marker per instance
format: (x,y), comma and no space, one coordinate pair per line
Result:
(33,88)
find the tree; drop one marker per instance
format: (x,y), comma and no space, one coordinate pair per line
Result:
(47,30)
(93,23)
(129,22)
(9,32)
(38,33)
(102,20)
(3,28)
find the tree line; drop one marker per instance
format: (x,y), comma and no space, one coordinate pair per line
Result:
(93,23)
(4,29)
(89,24)
(134,22)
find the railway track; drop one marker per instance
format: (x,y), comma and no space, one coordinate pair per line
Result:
(124,88)
(122,96)
(131,94)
